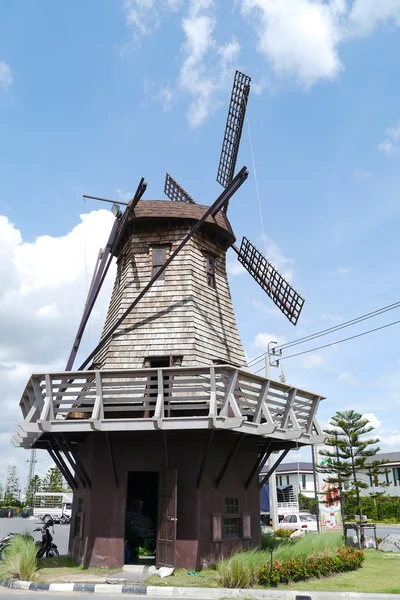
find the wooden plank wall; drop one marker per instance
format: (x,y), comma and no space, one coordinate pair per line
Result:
(181,315)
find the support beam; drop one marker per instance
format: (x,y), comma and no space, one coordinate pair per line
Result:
(70,460)
(112,459)
(203,460)
(260,462)
(228,460)
(116,234)
(275,466)
(63,468)
(79,466)
(212,211)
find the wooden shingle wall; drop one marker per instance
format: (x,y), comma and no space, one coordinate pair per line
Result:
(181,315)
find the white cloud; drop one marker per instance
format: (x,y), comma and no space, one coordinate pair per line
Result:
(373,420)
(42,294)
(124,196)
(392,137)
(234,268)
(367,15)
(142,14)
(6,77)
(299,41)
(343,270)
(167,96)
(313,361)
(347,378)
(298,38)
(207,66)
(262,340)
(279,261)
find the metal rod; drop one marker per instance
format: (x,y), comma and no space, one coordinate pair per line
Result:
(273,469)
(315,486)
(260,462)
(228,460)
(214,208)
(105,200)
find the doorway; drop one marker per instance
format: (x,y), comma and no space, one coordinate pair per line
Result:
(141,517)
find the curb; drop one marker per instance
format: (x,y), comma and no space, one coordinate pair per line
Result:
(203,593)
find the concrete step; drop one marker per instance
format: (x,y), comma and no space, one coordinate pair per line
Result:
(139,569)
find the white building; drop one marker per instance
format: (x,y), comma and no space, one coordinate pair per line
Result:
(299,475)
(392,477)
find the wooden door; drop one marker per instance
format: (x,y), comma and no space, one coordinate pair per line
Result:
(167,503)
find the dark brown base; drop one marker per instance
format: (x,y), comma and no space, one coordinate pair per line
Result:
(98,522)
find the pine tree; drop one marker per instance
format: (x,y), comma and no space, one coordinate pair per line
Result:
(35,485)
(12,488)
(348,455)
(53,480)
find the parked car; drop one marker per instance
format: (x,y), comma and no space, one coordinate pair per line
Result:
(300,521)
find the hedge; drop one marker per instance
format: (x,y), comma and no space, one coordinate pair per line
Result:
(344,559)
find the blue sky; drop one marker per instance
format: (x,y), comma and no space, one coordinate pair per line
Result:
(96,94)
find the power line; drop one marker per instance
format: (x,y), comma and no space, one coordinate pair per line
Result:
(337,342)
(333,329)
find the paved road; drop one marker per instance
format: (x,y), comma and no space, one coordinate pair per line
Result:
(61,532)
(383,530)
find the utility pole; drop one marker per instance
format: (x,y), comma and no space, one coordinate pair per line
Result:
(273,498)
(31,471)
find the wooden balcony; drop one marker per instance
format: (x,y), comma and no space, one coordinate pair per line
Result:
(209,397)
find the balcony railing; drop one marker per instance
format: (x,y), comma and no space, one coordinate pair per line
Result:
(167,398)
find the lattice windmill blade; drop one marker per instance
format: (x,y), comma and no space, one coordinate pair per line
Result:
(233,129)
(271,281)
(175,192)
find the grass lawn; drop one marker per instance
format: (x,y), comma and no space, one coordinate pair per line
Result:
(66,570)
(380,573)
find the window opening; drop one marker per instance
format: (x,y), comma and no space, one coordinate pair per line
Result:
(231,518)
(303,481)
(210,271)
(159,256)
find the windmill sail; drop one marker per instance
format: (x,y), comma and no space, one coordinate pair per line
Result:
(175,192)
(278,289)
(233,129)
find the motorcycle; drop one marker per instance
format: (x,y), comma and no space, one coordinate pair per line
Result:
(43,547)
(65,520)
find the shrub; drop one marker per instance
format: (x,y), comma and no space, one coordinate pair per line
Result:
(284,533)
(269,541)
(299,569)
(241,570)
(312,544)
(19,559)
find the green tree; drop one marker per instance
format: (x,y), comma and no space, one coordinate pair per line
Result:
(348,454)
(35,485)
(12,488)
(53,480)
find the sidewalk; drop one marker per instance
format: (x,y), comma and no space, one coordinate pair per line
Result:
(189,592)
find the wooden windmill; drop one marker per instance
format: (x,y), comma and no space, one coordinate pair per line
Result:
(162,423)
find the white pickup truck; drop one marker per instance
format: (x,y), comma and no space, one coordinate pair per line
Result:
(53,505)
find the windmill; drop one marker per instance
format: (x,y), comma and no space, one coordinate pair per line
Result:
(164,410)
(260,268)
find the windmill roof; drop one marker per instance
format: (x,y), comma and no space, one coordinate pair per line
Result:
(166,209)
